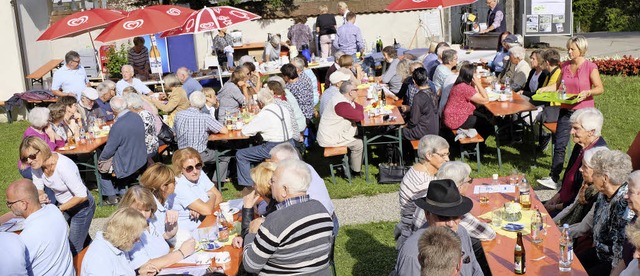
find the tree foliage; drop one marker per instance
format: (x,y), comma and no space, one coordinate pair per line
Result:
(607,15)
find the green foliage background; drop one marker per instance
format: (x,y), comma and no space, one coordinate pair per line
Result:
(607,15)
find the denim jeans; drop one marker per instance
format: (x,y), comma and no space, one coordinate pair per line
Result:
(79,218)
(563,133)
(246,156)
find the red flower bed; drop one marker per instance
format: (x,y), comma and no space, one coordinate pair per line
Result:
(627,66)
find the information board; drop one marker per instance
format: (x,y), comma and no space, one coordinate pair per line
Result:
(547,17)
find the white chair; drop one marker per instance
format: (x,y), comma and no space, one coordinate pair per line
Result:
(212,61)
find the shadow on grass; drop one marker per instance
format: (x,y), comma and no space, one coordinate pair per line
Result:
(371,257)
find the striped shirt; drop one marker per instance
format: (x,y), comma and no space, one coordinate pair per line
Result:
(414,185)
(138,60)
(294,240)
(192,128)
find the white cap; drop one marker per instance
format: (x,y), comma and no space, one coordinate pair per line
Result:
(338,76)
(90,93)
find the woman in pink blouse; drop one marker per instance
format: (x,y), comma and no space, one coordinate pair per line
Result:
(39,120)
(580,77)
(460,109)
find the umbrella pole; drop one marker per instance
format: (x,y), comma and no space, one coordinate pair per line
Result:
(95,54)
(442,22)
(161,81)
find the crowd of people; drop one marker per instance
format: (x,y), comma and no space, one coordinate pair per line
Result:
(288,220)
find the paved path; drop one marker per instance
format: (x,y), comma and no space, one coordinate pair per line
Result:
(355,210)
(602,44)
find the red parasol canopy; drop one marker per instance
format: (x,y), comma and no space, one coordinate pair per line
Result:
(209,19)
(180,13)
(143,22)
(408,5)
(81,22)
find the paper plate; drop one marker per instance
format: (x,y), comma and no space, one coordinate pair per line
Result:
(513,227)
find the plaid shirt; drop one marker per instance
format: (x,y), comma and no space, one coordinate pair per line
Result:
(292,201)
(302,90)
(475,227)
(192,128)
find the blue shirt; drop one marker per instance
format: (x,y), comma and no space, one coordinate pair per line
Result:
(314,80)
(318,190)
(13,256)
(150,246)
(70,80)
(349,39)
(102,258)
(46,238)
(431,57)
(135,82)
(186,193)
(190,85)
(107,109)
(160,216)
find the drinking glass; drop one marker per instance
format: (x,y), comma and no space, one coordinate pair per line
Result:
(484,194)
(496,217)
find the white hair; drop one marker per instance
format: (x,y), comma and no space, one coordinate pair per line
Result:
(284,151)
(118,104)
(518,52)
(454,170)
(197,99)
(126,66)
(105,86)
(298,62)
(634,179)
(614,164)
(588,154)
(39,117)
(265,96)
(133,100)
(337,55)
(589,118)
(430,144)
(278,79)
(441,51)
(183,70)
(295,176)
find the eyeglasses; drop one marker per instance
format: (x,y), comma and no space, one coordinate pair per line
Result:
(189,169)
(442,155)
(469,181)
(30,157)
(76,60)
(10,203)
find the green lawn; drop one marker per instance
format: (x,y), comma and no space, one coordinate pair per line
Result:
(368,249)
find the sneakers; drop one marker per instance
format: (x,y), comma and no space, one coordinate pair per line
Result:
(548,182)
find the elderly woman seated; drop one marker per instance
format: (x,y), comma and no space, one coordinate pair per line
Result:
(107,254)
(633,236)
(177,98)
(195,194)
(586,127)
(609,215)
(151,248)
(631,248)
(40,127)
(274,124)
(522,69)
(353,70)
(233,94)
(587,195)
(272,245)
(433,151)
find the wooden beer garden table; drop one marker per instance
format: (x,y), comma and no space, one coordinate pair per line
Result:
(369,123)
(90,148)
(541,259)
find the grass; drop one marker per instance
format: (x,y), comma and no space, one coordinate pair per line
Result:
(368,249)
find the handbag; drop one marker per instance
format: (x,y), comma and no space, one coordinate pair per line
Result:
(393,170)
(105,166)
(166,135)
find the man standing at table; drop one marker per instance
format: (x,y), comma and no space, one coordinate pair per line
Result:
(338,125)
(45,233)
(443,206)
(71,78)
(349,37)
(189,84)
(128,80)
(496,21)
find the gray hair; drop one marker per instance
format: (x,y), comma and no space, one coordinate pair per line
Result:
(614,164)
(126,67)
(454,170)
(134,100)
(346,87)
(441,51)
(105,86)
(589,118)
(265,96)
(439,251)
(183,71)
(118,104)
(278,79)
(39,117)
(284,151)
(197,99)
(337,55)
(430,144)
(448,56)
(298,62)
(634,179)
(588,155)
(70,56)
(518,52)
(171,81)
(296,176)
(275,39)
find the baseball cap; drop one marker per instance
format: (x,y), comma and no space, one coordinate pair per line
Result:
(90,93)
(338,76)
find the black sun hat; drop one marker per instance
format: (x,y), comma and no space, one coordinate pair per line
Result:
(444,199)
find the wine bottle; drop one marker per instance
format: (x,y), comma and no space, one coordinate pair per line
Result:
(519,257)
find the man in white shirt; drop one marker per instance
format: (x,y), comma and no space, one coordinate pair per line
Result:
(45,232)
(71,78)
(13,256)
(128,80)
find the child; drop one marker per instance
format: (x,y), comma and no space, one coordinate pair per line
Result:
(212,101)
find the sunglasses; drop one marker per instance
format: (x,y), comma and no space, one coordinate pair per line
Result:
(30,157)
(189,169)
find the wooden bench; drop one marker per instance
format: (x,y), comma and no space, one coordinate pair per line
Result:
(77,260)
(414,144)
(551,127)
(467,141)
(36,76)
(338,151)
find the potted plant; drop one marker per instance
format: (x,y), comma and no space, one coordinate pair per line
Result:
(116,57)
